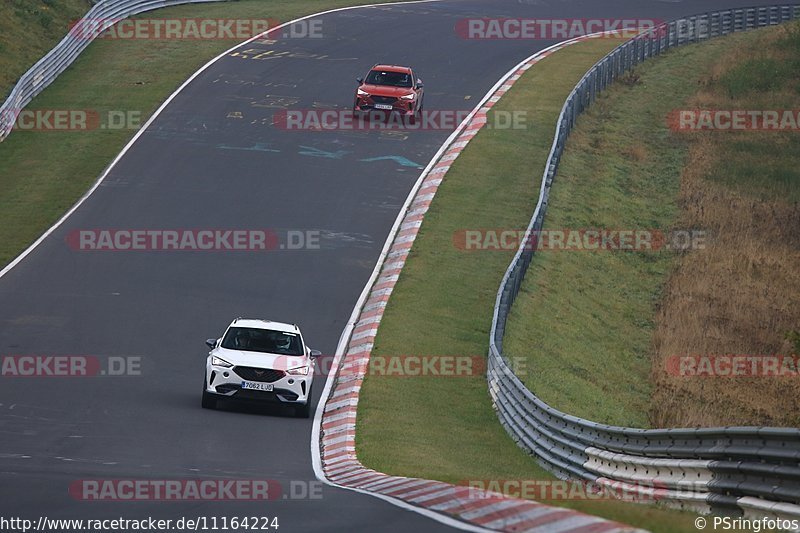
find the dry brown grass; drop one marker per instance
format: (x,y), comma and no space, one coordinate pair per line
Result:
(741,294)
(635,152)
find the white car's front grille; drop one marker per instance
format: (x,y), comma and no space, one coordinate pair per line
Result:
(264,375)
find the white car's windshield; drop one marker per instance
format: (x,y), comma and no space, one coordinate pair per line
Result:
(263,340)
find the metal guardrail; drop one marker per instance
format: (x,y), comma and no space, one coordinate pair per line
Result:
(100,17)
(750,471)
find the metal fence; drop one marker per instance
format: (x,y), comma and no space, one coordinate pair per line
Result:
(100,17)
(750,471)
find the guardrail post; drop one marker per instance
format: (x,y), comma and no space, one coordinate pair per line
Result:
(574,112)
(657,36)
(627,56)
(518,276)
(673,34)
(601,81)
(726,23)
(704,27)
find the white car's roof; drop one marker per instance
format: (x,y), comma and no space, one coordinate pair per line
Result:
(258,323)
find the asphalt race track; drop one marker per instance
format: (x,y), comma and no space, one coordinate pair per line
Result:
(212,160)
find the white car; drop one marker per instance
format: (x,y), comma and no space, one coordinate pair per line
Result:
(260,360)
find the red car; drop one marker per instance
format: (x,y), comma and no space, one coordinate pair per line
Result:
(389,88)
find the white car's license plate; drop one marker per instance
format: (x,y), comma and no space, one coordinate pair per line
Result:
(383,106)
(254,385)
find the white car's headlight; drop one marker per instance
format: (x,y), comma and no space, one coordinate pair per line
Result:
(409,96)
(362,93)
(216,361)
(302,371)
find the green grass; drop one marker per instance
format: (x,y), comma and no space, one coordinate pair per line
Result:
(764,169)
(765,165)
(738,294)
(584,321)
(42,174)
(445,428)
(29,29)
(762,74)
(758,75)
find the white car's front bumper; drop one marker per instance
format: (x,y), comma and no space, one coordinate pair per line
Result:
(286,388)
